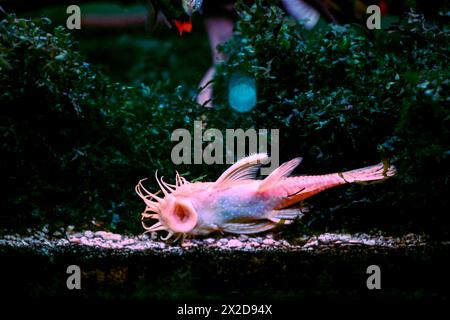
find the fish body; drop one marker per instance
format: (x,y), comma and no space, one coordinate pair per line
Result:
(239,203)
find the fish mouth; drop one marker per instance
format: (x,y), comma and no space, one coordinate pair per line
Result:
(180,218)
(176,216)
(183,218)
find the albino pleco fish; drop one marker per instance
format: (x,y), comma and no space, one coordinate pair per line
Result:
(237,202)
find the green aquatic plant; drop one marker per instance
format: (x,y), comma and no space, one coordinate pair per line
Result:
(73,142)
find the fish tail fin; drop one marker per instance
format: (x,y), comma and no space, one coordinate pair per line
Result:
(378,172)
(295,189)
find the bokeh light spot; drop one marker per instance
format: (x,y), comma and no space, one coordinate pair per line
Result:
(242,92)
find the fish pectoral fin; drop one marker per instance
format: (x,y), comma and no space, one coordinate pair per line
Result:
(244,169)
(279,174)
(285,216)
(250,227)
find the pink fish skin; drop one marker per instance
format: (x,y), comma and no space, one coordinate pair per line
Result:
(239,203)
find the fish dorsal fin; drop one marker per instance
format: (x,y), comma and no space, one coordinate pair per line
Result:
(244,169)
(279,173)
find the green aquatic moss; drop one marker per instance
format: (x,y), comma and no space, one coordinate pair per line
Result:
(74,143)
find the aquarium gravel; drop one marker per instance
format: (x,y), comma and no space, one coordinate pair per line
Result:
(108,240)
